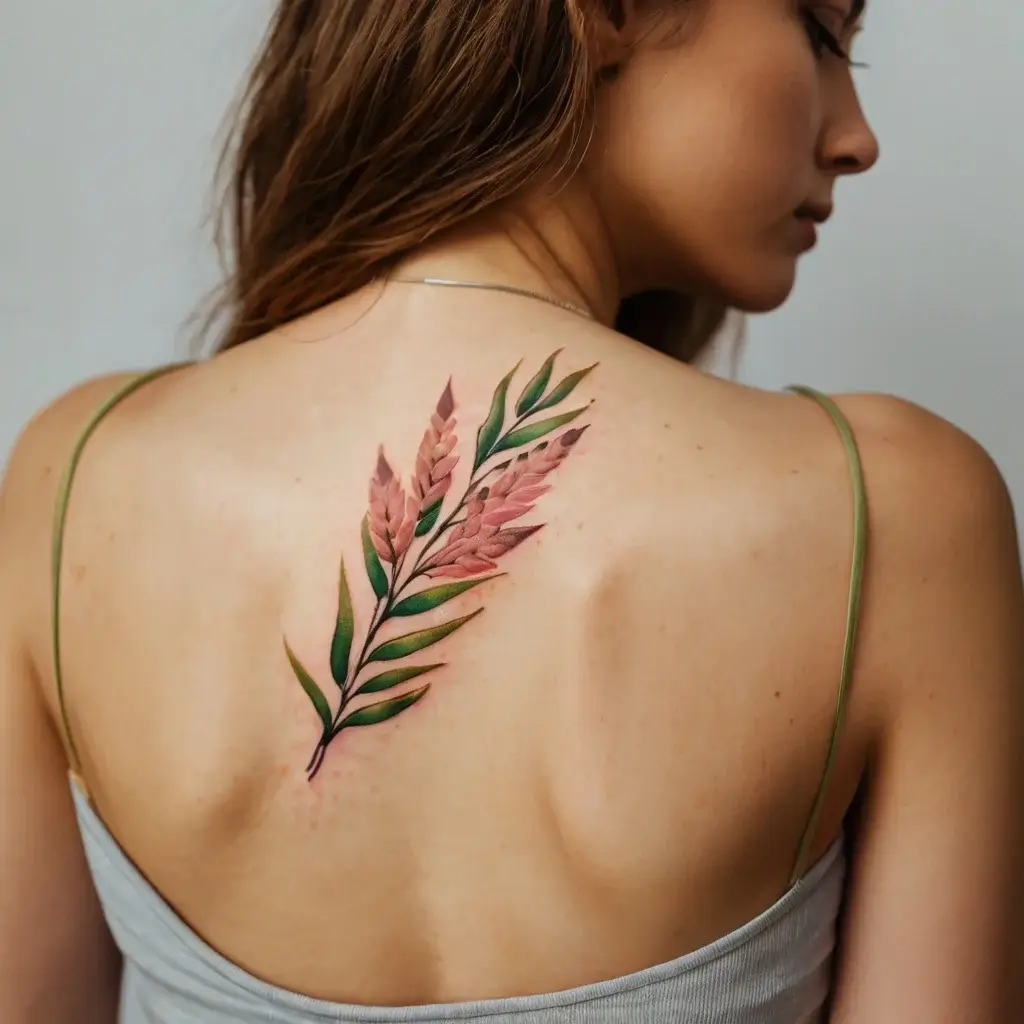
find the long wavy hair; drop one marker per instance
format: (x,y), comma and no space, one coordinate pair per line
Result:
(368,127)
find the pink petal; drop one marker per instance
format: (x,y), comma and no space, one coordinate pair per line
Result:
(505,514)
(474,564)
(404,537)
(435,492)
(446,404)
(454,572)
(396,502)
(506,540)
(444,467)
(570,437)
(378,532)
(528,495)
(531,479)
(384,471)
(515,536)
(451,552)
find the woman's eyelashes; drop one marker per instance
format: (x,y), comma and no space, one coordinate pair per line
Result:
(823,39)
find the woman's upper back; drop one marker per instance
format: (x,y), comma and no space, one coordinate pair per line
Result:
(616,761)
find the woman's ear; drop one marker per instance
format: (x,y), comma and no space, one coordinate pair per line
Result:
(609,27)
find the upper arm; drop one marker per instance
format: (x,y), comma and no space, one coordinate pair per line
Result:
(933,931)
(57,959)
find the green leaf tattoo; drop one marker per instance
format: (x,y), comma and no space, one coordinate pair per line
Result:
(341,645)
(373,714)
(397,676)
(533,391)
(563,390)
(491,428)
(428,600)
(405,540)
(535,431)
(315,694)
(378,578)
(403,646)
(429,518)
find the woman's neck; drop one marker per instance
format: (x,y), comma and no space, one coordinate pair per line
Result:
(552,245)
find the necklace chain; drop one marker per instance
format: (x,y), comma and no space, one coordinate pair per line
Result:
(490,286)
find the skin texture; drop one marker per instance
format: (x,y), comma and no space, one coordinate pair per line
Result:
(618,762)
(758,127)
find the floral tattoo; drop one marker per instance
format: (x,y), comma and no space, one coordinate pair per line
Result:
(406,543)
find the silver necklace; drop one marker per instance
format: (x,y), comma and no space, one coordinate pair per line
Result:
(489,286)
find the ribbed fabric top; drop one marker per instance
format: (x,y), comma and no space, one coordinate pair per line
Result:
(774,970)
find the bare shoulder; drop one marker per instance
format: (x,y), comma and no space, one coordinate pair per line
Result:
(29,489)
(43,447)
(942,538)
(933,925)
(944,542)
(922,463)
(943,532)
(928,481)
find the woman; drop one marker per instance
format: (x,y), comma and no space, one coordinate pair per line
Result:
(447,647)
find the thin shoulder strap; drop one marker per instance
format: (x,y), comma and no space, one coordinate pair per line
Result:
(59,523)
(860,547)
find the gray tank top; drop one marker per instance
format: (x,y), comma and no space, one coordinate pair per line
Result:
(776,969)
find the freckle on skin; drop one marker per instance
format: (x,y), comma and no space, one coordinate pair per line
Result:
(778,693)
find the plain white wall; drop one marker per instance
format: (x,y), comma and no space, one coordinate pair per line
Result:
(917,286)
(108,112)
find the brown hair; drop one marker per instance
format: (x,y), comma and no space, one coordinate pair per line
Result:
(369,126)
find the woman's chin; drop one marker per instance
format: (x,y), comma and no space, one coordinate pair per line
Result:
(763,290)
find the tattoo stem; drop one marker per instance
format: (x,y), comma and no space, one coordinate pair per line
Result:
(394,593)
(347,693)
(448,523)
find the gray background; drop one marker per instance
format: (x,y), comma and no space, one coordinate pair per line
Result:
(109,110)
